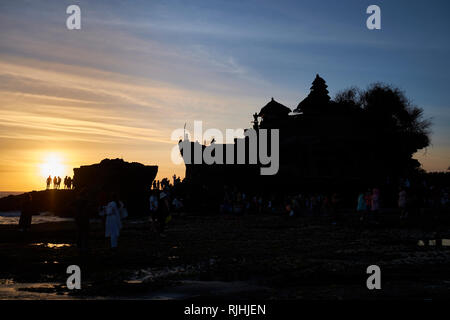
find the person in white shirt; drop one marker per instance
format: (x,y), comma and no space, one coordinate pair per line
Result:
(113,220)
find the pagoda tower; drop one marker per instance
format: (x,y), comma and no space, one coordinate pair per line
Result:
(317,99)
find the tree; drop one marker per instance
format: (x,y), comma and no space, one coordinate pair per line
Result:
(394,128)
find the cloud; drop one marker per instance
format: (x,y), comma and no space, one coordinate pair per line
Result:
(33,97)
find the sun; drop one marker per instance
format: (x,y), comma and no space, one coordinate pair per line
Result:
(52,165)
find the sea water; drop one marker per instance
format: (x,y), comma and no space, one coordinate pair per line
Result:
(9,193)
(12,217)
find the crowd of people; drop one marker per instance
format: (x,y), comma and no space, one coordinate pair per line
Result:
(239,202)
(166,198)
(112,210)
(68,182)
(165,184)
(409,200)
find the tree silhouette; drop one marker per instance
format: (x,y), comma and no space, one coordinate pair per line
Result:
(394,128)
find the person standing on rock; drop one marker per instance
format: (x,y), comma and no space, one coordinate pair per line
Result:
(49,182)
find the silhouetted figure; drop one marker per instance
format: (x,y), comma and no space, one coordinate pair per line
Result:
(260,205)
(82,220)
(153,206)
(67,182)
(162,212)
(123,211)
(361,207)
(335,206)
(375,202)
(165,183)
(49,182)
(58,185)
(102,201)
(368,199)
(226,206)
(113,220)
(55,182)
(402,201)
(26,213)
(177,204)
(255,121)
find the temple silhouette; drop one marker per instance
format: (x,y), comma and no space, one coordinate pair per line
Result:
(323,145)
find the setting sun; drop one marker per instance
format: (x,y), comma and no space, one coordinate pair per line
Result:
(52,166)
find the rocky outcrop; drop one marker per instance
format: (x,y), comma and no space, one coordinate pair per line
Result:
(130,181)
(114,175)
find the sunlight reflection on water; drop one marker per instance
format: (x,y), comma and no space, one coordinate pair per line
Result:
(51,245)
(9,290)
(12,217)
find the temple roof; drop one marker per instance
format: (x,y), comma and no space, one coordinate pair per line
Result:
(274,108)
(317,97)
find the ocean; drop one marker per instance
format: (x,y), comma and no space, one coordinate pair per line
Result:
(12,217)
(9,193)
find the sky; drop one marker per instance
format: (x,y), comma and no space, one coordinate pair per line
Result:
(138,70)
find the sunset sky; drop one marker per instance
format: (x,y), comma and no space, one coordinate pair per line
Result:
(137,70)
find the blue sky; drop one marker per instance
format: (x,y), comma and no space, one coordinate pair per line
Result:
(137,70)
